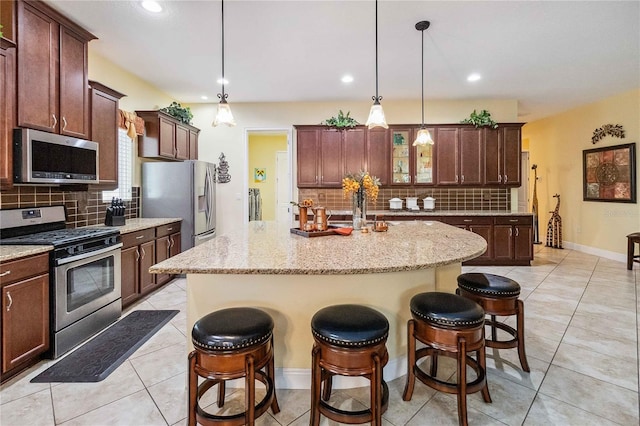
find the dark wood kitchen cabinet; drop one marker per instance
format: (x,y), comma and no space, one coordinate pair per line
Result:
(167,245)
(447,155)
(7,111)
(377,147)
(25,312)
(481,225)
(410,165)
(503,148)
(307,144)
(52,71)
(137,256)
(166,137)
(104,130)
(513,236)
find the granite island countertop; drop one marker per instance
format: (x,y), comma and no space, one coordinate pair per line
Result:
(405,212)
(270,248)
(10,252)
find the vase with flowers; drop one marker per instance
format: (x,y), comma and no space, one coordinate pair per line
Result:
(361,187)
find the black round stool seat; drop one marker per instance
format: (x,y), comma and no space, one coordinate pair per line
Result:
(446,309)
(488,284)
(231,329)
(350,325)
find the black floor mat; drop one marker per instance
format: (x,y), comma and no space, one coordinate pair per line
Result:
(99,357)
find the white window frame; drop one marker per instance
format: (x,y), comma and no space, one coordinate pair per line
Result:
(125,169)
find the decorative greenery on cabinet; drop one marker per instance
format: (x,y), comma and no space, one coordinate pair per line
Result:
(179,112)
(341,121)
(480,119)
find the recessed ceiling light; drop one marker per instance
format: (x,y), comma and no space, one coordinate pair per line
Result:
(152,6)
(347,78)
(222,81)
(474,77)
(204,98)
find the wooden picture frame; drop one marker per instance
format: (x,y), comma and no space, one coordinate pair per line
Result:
(609,174)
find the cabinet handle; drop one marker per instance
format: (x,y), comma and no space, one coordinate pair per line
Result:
(137,255)
(506,178)
(456,178)
(462,179)
(513,220)
(139,237)
(10,301)
(471,228)
(55,121)
(500,178)
(64,123)
(517,232)
(143,253)
(468,220)
(169,229)
(4,274)
(510,232)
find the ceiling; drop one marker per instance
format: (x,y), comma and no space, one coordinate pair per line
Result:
(548,55)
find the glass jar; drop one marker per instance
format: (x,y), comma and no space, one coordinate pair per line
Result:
(359,210)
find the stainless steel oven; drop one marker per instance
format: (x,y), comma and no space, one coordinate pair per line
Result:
(85,291)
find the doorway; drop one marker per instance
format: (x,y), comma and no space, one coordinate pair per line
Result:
(268,175)
(523,191)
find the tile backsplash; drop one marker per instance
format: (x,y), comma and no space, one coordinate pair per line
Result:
(84,208)
(485,199)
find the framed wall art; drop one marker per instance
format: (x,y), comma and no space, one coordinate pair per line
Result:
(609,174)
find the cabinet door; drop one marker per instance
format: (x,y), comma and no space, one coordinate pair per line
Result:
(492,168)
(400,157)
(167,138)
(176,245)
(163,247)
(307,142)
(523,241)
(25,321)
(378,154)
(486,232)
(423,172)
(130,271)
(182,142)
(331,164)
(447,156)
(104,130)
(7,114)
(74,101)
(193,145)
(470,156)
(354,151)
(38,36)
(511,158)
(503,242)
(147,260)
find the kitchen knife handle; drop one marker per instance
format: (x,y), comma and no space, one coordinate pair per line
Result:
(10,301)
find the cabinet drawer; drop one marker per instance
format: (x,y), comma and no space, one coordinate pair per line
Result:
(164,230)
(20,269)
(514,220)
(468,220)
(134,238)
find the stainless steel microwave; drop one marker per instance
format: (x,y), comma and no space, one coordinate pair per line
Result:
(46,158)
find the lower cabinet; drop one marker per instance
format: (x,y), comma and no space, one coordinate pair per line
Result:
(140,251)
(513,239)
(25,312)
(481,225)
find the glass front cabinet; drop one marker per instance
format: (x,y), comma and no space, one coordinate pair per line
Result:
(410,165)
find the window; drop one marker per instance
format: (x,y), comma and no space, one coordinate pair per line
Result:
(125,148)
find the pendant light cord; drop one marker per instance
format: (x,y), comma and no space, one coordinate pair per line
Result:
(223,96)
(422,75)
(377,98)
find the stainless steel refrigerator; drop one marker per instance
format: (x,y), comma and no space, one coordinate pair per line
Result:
(184,189)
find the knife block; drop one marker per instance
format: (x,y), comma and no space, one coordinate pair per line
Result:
(111,220)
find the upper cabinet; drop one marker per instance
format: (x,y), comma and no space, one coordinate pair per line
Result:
(52,71)
(104,130)
(167,138)
(461,155)
(7,112)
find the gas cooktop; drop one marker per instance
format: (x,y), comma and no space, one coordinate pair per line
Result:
(62,236)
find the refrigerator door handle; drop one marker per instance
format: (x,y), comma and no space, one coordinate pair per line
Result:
(210,195)
(207,196)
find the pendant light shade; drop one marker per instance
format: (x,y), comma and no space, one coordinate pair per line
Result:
(376,114)
(224,115)
(423,137)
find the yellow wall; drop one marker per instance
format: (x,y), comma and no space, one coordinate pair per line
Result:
(556,144)
(262,154)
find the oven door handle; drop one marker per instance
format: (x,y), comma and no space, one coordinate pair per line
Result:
(88,254)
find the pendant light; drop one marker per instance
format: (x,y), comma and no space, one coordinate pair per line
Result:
(423,137)
(376,114)
(224,115)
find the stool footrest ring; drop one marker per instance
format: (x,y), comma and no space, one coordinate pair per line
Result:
(353,417)
(502,344)
(472,387)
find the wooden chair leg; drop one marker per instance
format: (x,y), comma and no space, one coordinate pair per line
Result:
(376,392)
(494,330)
(630,253)
(193,389)
(221,393)
(411,361)
(271,372)
(327,382)
(520,333)
(462,382)
(482,362)
(250,391)
(316,379)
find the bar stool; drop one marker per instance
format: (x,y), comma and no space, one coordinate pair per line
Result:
(349,340)
(497,295)
(632,240)
(230,344)
(452,326)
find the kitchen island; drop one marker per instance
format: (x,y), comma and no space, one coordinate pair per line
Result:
(291,277)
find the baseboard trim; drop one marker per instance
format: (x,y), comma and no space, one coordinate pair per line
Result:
(595,251)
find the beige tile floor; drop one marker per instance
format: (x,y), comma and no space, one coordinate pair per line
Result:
(582,345)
